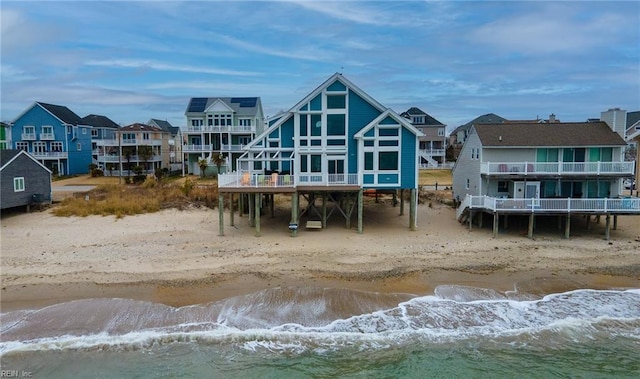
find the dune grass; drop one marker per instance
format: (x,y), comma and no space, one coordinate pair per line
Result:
(151,196)
(431,177)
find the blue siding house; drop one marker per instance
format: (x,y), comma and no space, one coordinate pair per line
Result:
(333,145)
(55,136)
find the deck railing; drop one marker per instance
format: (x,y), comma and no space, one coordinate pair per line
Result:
(246,179)
(629,205)
(557,168)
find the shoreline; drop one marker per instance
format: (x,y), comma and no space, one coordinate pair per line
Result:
(175,257)
(179,293)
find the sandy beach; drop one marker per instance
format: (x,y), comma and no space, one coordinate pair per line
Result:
(176,257)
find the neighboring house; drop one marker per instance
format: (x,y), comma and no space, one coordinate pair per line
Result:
(141,145)
(459,135)
(55,136)
(632,135)
(542,169)
(175,142)
(104,144)
(433,144)
(220,125)
(333,145)
(23,180)
(5,136)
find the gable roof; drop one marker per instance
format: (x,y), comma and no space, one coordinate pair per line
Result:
(632,118)
(98,121)
(282,117)
(9,155)
(548,134)
(428,120)
(388,113)
(242,106)
(489,118)
(141,127)
(63,113)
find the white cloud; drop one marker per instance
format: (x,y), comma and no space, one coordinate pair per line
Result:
(160,66)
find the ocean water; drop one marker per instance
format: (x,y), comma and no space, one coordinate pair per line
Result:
(458,332)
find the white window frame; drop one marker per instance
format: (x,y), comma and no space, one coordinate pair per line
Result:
(244,122)
(84,130)
(56,146)
(22,145)
(18,184)
(440,132)
(79,146)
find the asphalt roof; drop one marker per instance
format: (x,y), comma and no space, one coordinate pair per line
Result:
(65,114)
(428,120)
(489,118)
(141,127)
(98,121)
(632,118)
(548,134)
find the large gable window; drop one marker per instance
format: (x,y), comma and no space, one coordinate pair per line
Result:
(387,160)
(220,119)
(336,102)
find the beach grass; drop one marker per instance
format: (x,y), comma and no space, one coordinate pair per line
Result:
(151,196)
(431,177)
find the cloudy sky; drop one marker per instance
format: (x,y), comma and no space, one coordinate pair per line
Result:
(456,60)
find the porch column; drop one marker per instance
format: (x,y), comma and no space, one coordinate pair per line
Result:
(231,210)
(293,224)
(240,204)
(607,228)
(412,209)
(252,218)
(470,219)
(496,221)
(615,222)
(531,220)
(402,202)
(567,225)
(324,210)
(360,207)
(271,201)
(258,202)
(221,214)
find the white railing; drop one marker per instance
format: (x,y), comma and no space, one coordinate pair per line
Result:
(196,148)
(246,179)
(629,205)
(220,129)
(47,136)
(50,154)
(232,147)
(434,152)
(556,168)
(29,136)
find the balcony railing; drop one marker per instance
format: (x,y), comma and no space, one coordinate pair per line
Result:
(28,136)
(629,205)
(47,136)
(123,159)
(232,147)
(248,180)
(433,152)
(557,168)
(221,129)
(196,148)
(50,154)
(127,142)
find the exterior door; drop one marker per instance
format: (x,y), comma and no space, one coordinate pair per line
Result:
(336,169)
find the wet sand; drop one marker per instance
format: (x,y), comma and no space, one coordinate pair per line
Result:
(177,258)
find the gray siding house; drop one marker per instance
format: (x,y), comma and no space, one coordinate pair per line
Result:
(23,180)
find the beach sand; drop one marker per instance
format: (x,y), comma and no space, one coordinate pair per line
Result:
(176,257)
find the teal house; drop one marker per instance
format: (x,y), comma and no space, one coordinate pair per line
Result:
(331,147)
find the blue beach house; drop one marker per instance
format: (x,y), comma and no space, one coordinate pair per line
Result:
(333,145)
(55,136)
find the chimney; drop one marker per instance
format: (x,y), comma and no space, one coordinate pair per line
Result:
(616,118)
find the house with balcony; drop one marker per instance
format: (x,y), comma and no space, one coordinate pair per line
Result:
(138,146)
(333,145)
(459,135)
(103,136)
(533,169)
(5,136)
(433,144)
(220,125)
(55,136)
(175,142)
